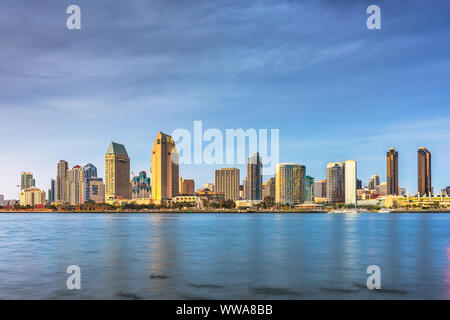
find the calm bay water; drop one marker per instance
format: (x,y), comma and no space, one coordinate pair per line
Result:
(224,256)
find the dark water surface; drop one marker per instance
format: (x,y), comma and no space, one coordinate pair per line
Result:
(224,256)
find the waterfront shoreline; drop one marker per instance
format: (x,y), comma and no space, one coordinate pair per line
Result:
(224,212)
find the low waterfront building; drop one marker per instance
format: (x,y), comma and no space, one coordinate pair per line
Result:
(418,202)
(32,197)
(193,200)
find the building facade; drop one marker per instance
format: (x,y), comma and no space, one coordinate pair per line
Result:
(61,178)
(290,183)
(424,171)
(117,173)
(320,188)
(350,169)
(254,178)
(227,182)
(392,172)
(270,189)
(165,170)
(32,197)
(26,180)
(187,186)
(374,182)
(309,189)
(74,185)
(141,186)
(94,190)
(336,182)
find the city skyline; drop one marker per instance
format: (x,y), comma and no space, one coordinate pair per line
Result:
(348,94)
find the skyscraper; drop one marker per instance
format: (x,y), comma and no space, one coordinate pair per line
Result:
(52,191)
(94,190)
(165,168)
(392,172)
(254,177)
(374,182)
(350,182)
(117,172)
(227,182)
(26,180)
(424,171)
(290,183)
(61,177)
(309,189)
(320,188)
(74,185)
(89,171)
(336,182)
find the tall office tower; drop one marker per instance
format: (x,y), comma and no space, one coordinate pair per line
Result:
(89,171)
(290,183)
(165,168)
(359,184)
(350,188)
(74,185)
(187,186)
(117,172)
(61,178)
(320,188)
(309,189)
(269,189)
(423,171)
(53,190)
(244,188)
(374,182)
(227,182)
(254,177)
(2,200)
(26,180)
(336,182)
(392,172)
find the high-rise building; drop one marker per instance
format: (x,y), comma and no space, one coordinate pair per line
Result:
(336,182)
(61,178)
(227,182)
(89,171)
(290,183)
(350,182)
(74,185)
(254,177)
(2,200)
(424,171)
(269,188)
(187,186)
(374,182)
(141,186)
(320,188)
(392,172)
(32,197)
(26,180)
(52,190)
(117,172)
(309,189)
(359,184)
(165,168)
(382,189)
(243,190)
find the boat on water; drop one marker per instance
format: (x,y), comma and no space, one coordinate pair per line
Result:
(347,211)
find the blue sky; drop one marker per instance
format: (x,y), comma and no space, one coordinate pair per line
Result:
(311,69)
